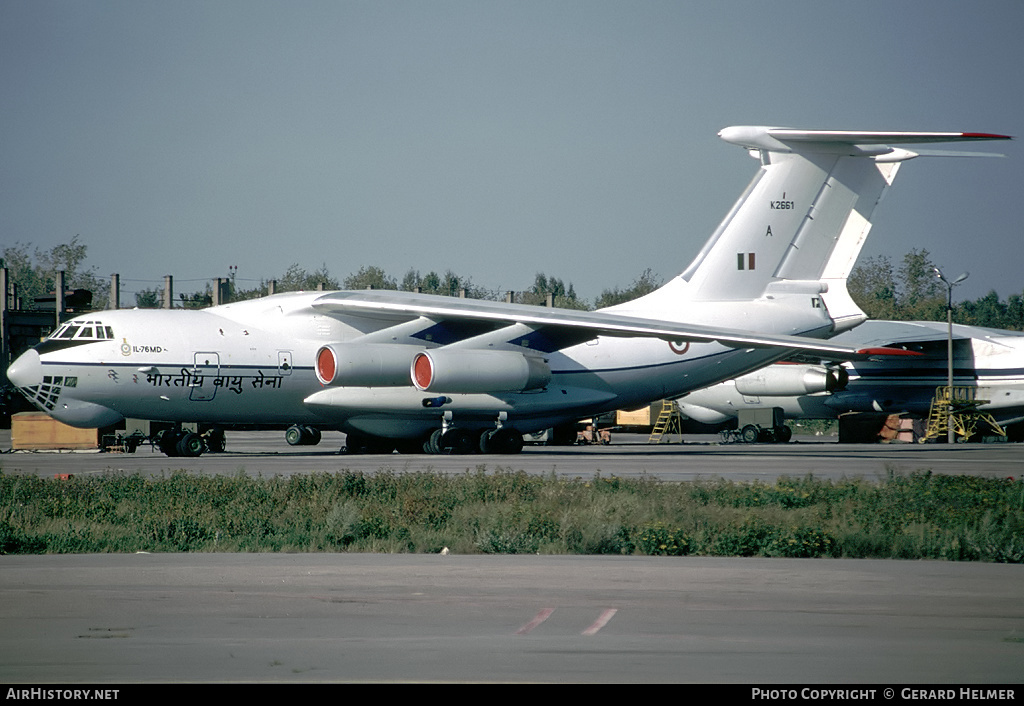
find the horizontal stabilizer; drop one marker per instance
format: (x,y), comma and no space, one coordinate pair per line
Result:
(775,139)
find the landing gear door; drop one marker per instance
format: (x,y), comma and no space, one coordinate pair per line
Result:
(284,362)
(205,370)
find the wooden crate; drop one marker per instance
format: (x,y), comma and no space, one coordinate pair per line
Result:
(643,417)
(38,431)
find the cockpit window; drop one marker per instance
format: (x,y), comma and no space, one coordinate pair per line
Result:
(83,330)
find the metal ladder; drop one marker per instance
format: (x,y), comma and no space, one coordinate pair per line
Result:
(667,423)
(964,414)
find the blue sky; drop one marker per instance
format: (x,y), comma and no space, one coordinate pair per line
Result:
(495,139)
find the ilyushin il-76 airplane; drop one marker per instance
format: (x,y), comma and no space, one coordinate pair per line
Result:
(421,373)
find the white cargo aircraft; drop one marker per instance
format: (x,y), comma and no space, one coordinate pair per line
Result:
(432,374)
(988,363)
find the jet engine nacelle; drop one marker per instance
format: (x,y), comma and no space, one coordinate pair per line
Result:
(365,364)
(792,380)
(469,371)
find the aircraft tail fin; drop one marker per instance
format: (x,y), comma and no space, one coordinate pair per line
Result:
(802,221)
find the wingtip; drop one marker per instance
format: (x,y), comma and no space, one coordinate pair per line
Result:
(985,136)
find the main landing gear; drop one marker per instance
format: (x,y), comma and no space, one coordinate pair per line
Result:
(457,440)
(189,444)
(449,439)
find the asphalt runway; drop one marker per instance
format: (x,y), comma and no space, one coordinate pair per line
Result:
(267,454)
(290,618)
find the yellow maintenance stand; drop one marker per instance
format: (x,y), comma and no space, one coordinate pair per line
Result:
(959,405)
(668,422)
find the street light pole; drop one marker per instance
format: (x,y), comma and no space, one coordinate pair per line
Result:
(949,346)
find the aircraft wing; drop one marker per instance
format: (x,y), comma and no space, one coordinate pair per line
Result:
(569,325)
(922,337)
(911,333)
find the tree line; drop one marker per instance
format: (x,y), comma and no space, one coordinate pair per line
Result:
(909,291)
(563,295)
(35,273)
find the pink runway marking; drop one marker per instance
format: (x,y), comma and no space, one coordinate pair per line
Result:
(537,620)
(601,621)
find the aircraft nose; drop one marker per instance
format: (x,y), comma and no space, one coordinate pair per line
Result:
(27,370)
(27,374)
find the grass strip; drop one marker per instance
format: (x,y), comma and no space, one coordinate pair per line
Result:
(916,516)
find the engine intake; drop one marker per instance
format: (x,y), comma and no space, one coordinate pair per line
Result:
(365,364)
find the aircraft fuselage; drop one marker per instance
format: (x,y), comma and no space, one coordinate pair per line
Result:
(255,361)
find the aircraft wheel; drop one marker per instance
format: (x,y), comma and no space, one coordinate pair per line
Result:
(505,441)
(749,434)
(190,445)
(492,441)
(215,442)
(167,442)
(457,441)
(294,435)
(783,434)
(302,435)
(432,444)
